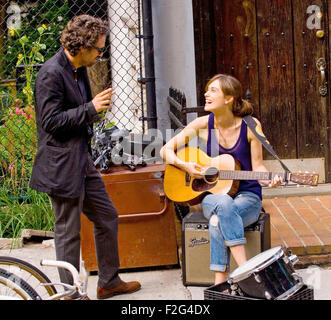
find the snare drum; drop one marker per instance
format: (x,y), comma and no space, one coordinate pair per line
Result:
(268,275)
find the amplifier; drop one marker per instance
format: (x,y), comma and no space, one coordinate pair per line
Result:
(196,248)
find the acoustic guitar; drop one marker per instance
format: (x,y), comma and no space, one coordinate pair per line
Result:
(222,175)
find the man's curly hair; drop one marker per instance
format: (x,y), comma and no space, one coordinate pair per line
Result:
(82,31)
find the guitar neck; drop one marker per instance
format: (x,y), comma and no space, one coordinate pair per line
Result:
(249,175)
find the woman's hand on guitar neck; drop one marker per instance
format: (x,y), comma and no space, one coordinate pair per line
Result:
(275,182)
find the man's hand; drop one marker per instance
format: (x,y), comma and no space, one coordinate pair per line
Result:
(102,101)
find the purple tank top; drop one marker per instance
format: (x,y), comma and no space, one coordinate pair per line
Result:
(240,151)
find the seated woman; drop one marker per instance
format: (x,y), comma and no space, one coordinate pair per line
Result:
(225,132)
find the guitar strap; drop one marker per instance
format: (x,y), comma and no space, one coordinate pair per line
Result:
(259,134)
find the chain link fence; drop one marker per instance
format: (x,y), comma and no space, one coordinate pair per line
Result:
(29,35)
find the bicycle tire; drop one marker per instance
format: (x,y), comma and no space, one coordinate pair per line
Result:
(14,287)
(32,271)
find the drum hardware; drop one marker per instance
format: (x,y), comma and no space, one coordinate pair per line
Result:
(234,287)
(293,259)
(257,278)
(235,290)
(268,295)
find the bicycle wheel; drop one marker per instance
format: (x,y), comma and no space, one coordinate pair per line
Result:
(13,287)
(30,274)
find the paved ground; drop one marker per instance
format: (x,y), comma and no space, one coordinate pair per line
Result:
(164,284)
(300,220)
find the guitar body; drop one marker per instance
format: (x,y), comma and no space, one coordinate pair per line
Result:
(180,187)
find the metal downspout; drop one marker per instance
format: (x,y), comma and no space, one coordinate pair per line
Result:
(149,78)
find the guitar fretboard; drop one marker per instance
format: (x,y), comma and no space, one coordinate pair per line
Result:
(248,175)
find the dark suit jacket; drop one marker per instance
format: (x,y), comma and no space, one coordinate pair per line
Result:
(65,127)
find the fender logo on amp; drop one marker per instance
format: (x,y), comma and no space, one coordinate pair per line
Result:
(195,242)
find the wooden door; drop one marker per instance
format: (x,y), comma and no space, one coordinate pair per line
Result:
(273,48)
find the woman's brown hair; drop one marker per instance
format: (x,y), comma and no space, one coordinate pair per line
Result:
(82,31)
(232,87)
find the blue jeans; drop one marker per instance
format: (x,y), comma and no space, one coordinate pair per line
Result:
(227,219)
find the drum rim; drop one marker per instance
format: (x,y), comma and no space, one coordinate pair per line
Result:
(291,291)
(279,253)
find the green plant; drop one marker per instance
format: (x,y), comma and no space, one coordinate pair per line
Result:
(18,144)
(32,212)
(36,41)
(5,102)
(17,148)
(20,206)
(52,13)
(29,56)
(18,137)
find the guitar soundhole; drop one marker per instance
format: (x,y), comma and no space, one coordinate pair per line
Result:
(211,174)
(201,185)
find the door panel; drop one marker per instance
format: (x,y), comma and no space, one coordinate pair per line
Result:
(311,106)
(276,75)
(238,37)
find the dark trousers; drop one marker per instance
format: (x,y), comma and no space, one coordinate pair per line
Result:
(95,203)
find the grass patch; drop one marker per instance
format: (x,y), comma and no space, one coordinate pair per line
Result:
(33,211)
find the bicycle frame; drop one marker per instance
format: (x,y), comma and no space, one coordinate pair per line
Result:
(79,280)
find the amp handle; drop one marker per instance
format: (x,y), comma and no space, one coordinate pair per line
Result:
(148,214)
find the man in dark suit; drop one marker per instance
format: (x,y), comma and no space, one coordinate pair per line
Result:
(63,167)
